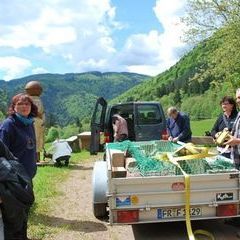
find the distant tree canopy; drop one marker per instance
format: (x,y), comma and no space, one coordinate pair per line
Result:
(204,17)
(218,20)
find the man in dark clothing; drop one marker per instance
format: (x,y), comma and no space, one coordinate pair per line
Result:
(16,194)
(178,126)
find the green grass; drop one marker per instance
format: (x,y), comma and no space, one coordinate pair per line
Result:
(199,127)
(46,191)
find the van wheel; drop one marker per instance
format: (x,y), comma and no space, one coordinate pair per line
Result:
(100,210)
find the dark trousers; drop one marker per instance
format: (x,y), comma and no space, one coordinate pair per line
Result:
(11,234)
(62,159)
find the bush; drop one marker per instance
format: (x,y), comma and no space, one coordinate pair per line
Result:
(52,134)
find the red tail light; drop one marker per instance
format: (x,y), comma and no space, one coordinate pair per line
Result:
(128,216)
(164,135)
(226,210)
(106,137)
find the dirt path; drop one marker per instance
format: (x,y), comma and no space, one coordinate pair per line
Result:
(73,219)
(72,214)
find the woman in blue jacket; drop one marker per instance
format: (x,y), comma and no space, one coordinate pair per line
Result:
(17,132)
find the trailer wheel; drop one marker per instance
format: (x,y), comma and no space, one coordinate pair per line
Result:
(100,210)
(100,186)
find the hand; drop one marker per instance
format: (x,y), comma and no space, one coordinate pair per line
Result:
(175,139)
(170,138)
(233,141)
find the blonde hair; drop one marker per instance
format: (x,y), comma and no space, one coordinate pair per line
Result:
(171,110)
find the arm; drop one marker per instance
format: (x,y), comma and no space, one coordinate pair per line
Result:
(116,127)
(169,130)
(233,141)
(186,131)
(69,148)
(215,128)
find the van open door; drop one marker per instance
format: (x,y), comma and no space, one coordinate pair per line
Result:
(97,124)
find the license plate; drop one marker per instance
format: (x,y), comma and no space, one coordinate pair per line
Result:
(177,212)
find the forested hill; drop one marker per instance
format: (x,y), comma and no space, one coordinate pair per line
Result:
(72,96)
(195,84)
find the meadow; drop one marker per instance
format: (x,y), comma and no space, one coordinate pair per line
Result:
(201,126)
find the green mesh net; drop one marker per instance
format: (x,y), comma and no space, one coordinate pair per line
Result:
(151,158)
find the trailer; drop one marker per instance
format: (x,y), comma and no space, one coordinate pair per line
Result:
(131,198)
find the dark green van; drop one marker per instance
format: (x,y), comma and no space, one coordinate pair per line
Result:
(146,121)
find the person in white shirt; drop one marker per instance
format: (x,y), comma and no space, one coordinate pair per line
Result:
(61,152)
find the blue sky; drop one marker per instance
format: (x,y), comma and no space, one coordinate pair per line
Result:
(62,36)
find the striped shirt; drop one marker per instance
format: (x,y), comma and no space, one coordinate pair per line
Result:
(235,150)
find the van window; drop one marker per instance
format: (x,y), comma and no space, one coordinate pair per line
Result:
(99,114)
(148,114)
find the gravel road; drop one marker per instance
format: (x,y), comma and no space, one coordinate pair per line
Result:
(74,220)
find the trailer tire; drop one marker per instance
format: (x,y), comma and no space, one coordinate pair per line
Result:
(100,186)
(100,210)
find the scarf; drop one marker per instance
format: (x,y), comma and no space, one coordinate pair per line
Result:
(25,120)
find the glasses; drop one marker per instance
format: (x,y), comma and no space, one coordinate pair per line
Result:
(23,104)
(225,103)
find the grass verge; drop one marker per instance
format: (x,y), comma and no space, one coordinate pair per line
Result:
(46,191)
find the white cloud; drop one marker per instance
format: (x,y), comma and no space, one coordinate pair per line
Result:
(80,35)
(13,66)
(39,70)
(66,30)
(156,51)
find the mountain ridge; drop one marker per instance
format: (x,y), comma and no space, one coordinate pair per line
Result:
(72,95)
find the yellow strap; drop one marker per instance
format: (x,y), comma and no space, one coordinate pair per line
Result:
(204,233)
(187,208)
(194,156)
(187,205)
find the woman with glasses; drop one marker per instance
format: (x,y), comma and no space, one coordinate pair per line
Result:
(17,132)
(225,120)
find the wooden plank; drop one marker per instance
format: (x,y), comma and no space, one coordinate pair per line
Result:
(119,172)
(117,157)
(202,140)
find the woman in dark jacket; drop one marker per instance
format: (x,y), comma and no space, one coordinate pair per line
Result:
(17,132)
(225,120)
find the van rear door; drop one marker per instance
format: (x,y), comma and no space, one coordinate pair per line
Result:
(97,124)
(149,121)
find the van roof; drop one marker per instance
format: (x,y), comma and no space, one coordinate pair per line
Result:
(141,102)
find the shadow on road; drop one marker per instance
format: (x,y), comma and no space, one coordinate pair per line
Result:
(160,231)
(74,225)
(177,230)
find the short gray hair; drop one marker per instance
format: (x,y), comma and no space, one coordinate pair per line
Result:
(171,110)
(238,90)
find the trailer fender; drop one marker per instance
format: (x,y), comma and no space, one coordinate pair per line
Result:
(99,182)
